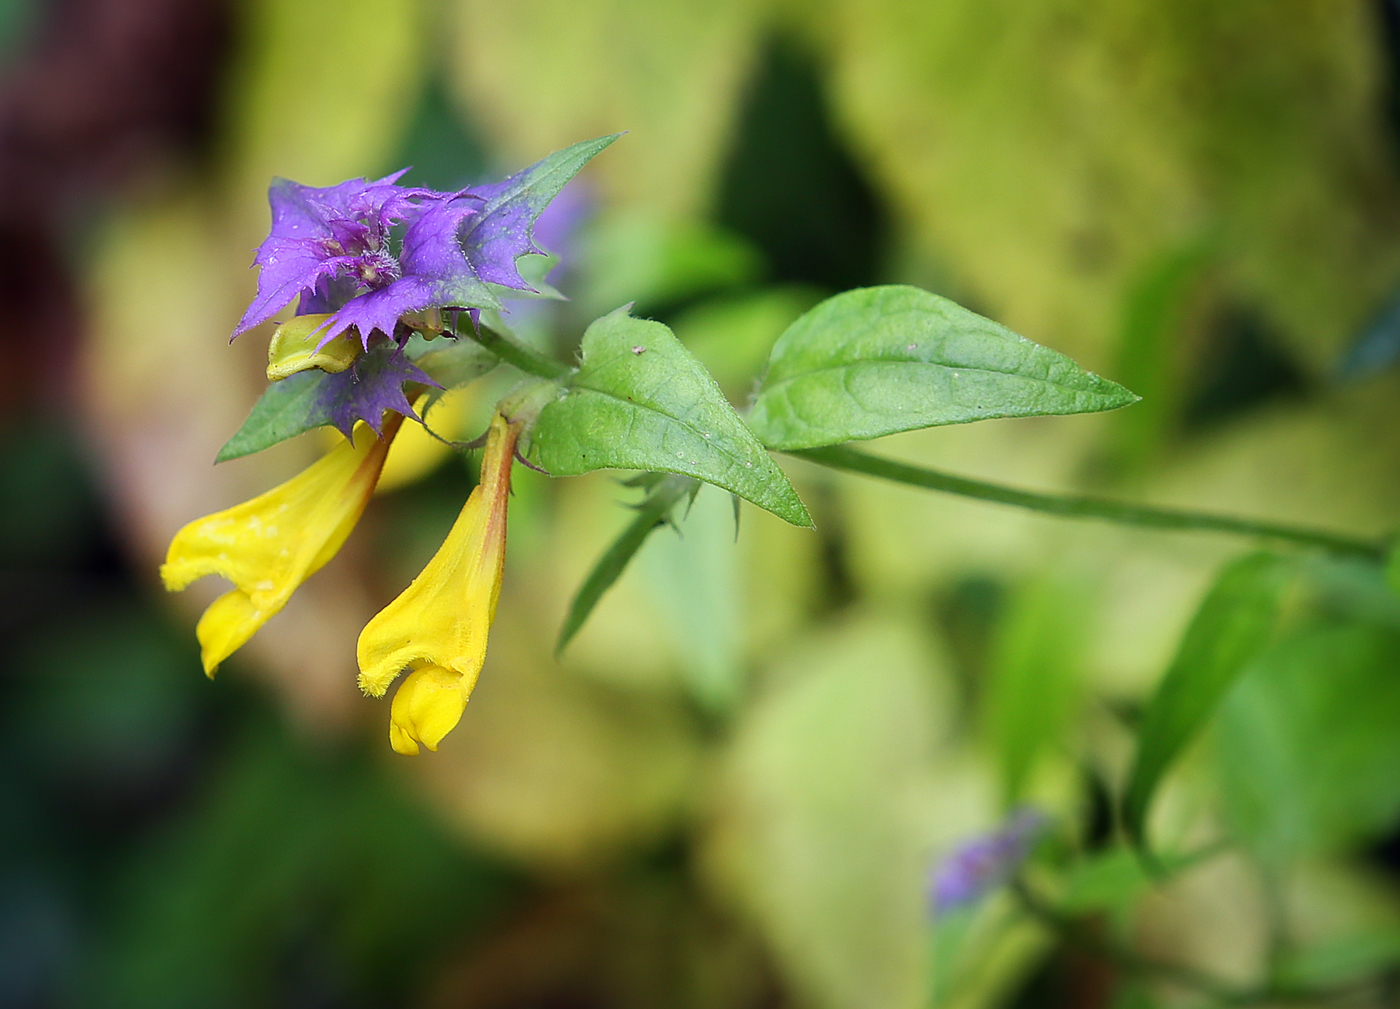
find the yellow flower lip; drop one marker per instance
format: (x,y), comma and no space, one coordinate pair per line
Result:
(294,348)
(442,620)
(271,544)
(427,706)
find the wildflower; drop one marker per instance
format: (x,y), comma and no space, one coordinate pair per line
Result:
(332,248)
(344,361)
(327,243)
(437,628)
(270,545)
(984,863)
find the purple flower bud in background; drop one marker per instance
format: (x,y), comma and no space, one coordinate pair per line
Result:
(984,863)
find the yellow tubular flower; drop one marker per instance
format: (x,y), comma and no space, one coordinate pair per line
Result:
(438,626)
(271,544)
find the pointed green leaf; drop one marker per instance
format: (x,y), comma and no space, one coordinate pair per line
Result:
(1033,677)
(286,409)
(878,360)
(1232,626)
(533,187)
(307,399)
(640,400)
(652,513)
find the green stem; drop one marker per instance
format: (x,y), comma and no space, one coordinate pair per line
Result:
(512,350)
(663,497)
(1078,506)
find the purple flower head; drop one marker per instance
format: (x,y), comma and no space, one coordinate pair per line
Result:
(434,271)
(327,243)
(982,864)
(332,246)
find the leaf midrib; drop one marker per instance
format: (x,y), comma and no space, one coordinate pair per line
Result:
(739,461)
(927,364)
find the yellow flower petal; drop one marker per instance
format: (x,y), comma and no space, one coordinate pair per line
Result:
(225,627)
(294,348)
(427,706)
(443,619)
(271,544)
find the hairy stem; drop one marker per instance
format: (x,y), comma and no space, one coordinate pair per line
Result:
(1081,507)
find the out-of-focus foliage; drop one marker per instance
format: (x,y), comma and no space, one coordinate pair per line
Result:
(1053,153)
(1235,622)
(829,804)
(538,74)
(729,789)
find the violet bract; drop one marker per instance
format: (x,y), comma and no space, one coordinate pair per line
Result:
(984,863)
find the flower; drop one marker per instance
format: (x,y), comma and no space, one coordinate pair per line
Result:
(437,628)
(984,863)
(436,272)
(327,242)
(332,246)
(270,545)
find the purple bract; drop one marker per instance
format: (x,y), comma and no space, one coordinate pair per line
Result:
(328,243)
(332,247)
(335,250)
(984,863)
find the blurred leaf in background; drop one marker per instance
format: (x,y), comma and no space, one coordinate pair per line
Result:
(294,877)
(730,789)
(1308,741)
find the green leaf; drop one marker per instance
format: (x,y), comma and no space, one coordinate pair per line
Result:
(1234,623)
(1337,961)
(878,360)
(1104,881)
(286,409)
(652,513)
(640,400)
(1308,745)
(305,400)
(1035,677)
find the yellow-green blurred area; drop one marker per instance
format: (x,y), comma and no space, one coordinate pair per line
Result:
(731,787)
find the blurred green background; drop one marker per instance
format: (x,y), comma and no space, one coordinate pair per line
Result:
(729,791)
